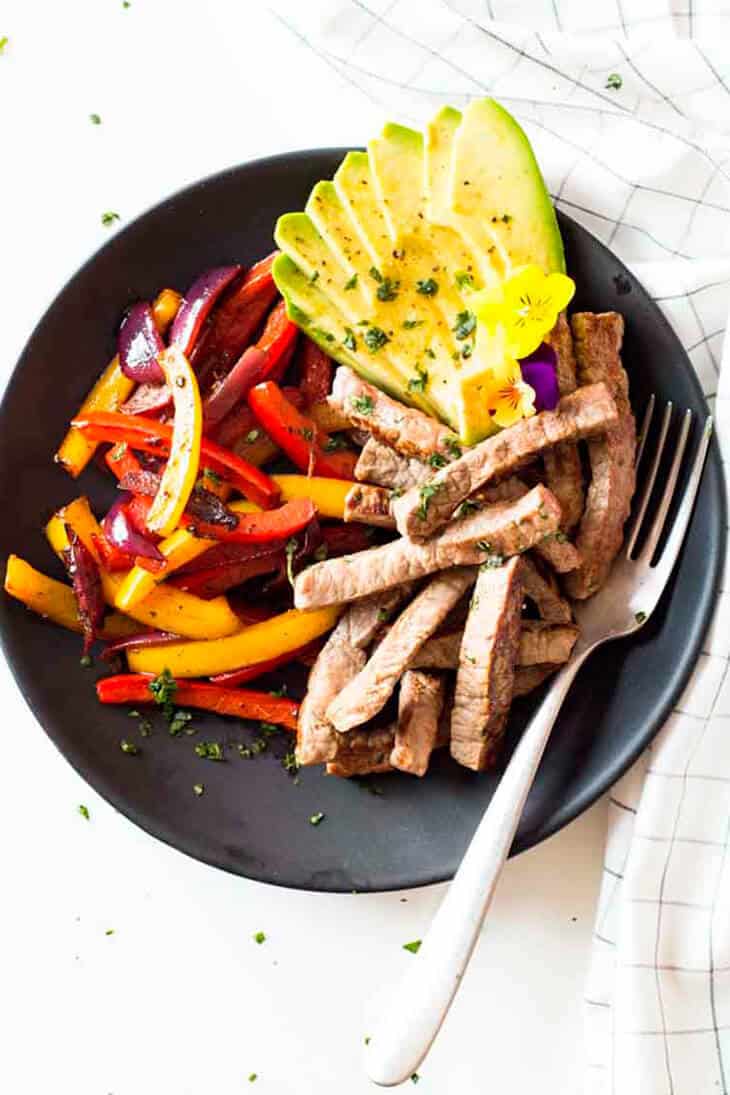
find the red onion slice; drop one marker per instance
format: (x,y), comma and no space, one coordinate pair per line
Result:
(138,345)
(197,305)
(247,372)
(120,531)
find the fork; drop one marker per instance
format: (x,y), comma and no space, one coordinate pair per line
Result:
(412,1016)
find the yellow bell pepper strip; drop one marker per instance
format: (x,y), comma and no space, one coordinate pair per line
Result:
(181,469)
(328,495)
(111,390)
(55,600)
(166,608)
(285,632)
(178,549)
(133,688)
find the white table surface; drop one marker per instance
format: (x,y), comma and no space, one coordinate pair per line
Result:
(179,1000)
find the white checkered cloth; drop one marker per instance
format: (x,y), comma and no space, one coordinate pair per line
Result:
(645,167)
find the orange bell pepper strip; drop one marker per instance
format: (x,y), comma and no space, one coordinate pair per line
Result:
(55,601)
(251,672)
(135,688)
(281,634)
(149,435)
(183,462)
(328,495)
(111,390)
(297,435)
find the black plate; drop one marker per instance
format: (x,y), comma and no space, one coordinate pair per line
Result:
(252,820)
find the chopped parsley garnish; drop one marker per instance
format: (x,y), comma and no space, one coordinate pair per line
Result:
(453,447)
(413,947)
(335,442)
(375,339)
(367,1039)
(467,506)
(426,493)
(411,324)
(270,727)
(483,545)
(252,435)
(465,324)
(506,218)
(429,353)
(614,81)
(388,289)
(129,747)
(289,762)
(198,789)
(437,460)
(109,217)
(383,615)
(95,119)
(493,562)
(179,721)
(415,1078)
(84,811)
(363,404)
(86,661)
(467,351)
(418,382)
(252,1077)
(290,551)
(640,617)
(259,937)
(351,283)
(109,931)
(319,332)
(317,818)
(349,341)
(133,714)
(3,43)
(214,477)
(314,277)
(163,689)
(427,287)
(145,728)
(464,280)
(321,553)
(375,274)
(209,750)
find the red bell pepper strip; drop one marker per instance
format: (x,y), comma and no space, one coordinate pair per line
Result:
(250,672)
(278,340)
(259,528)
(121,460)
(315,370)
(298,435)
(241,421)
(135,688)
(216,580)
(148,435)
(112,557)
(234,322)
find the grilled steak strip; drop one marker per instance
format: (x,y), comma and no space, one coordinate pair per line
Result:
(540,644)
(505,529)
(598,346)
(410,431)
(369,505)
(555,550)
(368,692)
(340,659)
(544,594)
(419,709)
(378,463)
(485,677)
(528,678)
(563,470)
(365,753)
(587,412)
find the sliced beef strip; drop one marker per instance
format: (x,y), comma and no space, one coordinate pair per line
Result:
(368,692)
(563,470)
(528,678)
(586,413)
(598,341)
(556,550)
(379,464)
(369,505)
(540,643)
(544,594)
(420,703)
(410,431)
(485,677)
(341,658)
(508,528)
(365,753)
(546,644)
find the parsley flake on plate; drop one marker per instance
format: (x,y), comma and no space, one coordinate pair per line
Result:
(108,218)
(259,937)
(413,947)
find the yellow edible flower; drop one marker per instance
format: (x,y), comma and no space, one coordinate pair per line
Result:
(526,305)
(512,399)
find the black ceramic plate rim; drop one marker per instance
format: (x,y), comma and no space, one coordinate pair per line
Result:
(569,809)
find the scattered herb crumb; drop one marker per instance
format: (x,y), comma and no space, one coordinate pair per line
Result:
(640,617)
(367,1039)
(415,1078)
(86,661)
(411,324)
(163,689)
(375,338)
(427,287)
(259,937)
(375,274)
(129,747)
(317,818)
(469,505)
(209,750)
(419,382)
(614,81)
(109,217)
(465,324)
(198,789)
(425,494)
(464,280)
(84,811)
(109,931)
(351,283)
(133,714)
(436,460)
(252,1077)
(145,728)
(290,763)
(413,947)
(363,404)
(388,289)
(453,447)
(3,43)
(349,341)
(95,119)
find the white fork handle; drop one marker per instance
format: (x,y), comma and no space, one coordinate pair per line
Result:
(412,1016)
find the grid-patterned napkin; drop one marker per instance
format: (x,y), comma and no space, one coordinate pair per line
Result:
(629,114)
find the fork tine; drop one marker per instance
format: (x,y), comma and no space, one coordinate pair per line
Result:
(661,515)
(649,485)
(644,432)
(681,521)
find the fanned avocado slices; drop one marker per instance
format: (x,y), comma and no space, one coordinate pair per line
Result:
(380,267)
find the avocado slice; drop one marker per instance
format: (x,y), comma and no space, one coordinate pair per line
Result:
(297,236)
(335,225)
(495,178)
(356,189)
